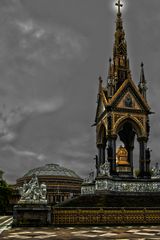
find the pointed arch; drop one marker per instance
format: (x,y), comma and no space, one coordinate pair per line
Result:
(136,124)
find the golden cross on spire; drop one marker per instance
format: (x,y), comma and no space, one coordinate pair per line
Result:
(119,5)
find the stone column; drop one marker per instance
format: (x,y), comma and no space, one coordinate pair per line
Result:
(130,156)
(101,157)
(101,154)
(142,157)
(148,174)
(148,160)
(112,154)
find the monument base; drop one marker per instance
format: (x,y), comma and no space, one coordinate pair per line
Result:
(105,184)
(31,215)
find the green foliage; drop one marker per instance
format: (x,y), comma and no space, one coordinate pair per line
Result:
(5,193)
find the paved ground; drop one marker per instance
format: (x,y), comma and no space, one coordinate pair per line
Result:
(5,223)
(73,233)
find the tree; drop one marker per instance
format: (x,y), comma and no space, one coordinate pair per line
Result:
(5,193)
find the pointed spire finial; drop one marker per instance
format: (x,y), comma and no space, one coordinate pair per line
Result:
(142,84)
(119,5)
(110,69)
(142,64)
(142,76)
(100,83)
(100,79)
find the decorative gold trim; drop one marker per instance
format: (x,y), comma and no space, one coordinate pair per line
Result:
(105,217)
(135,88)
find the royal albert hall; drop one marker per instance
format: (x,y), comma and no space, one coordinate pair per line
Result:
(62,183)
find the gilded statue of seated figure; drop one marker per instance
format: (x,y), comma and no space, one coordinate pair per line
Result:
(122,156)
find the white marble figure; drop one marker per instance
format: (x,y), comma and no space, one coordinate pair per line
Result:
(32,192)
(43,191)
(156,171)
(105,169)
(90,178)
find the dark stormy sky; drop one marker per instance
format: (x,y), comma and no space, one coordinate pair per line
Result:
(51,54)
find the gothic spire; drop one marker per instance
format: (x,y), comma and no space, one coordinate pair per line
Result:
(120,66)
(142,84)
(120,46)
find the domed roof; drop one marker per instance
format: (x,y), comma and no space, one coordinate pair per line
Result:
(52,170)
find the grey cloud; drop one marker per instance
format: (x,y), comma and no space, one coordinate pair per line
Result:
(32,48)
(26,27)
(10,120)
(23,153)
(42,107)
(65,43)
(7,137)
(19,161)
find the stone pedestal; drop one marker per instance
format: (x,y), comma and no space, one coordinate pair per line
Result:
(31,215)
(124,171)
